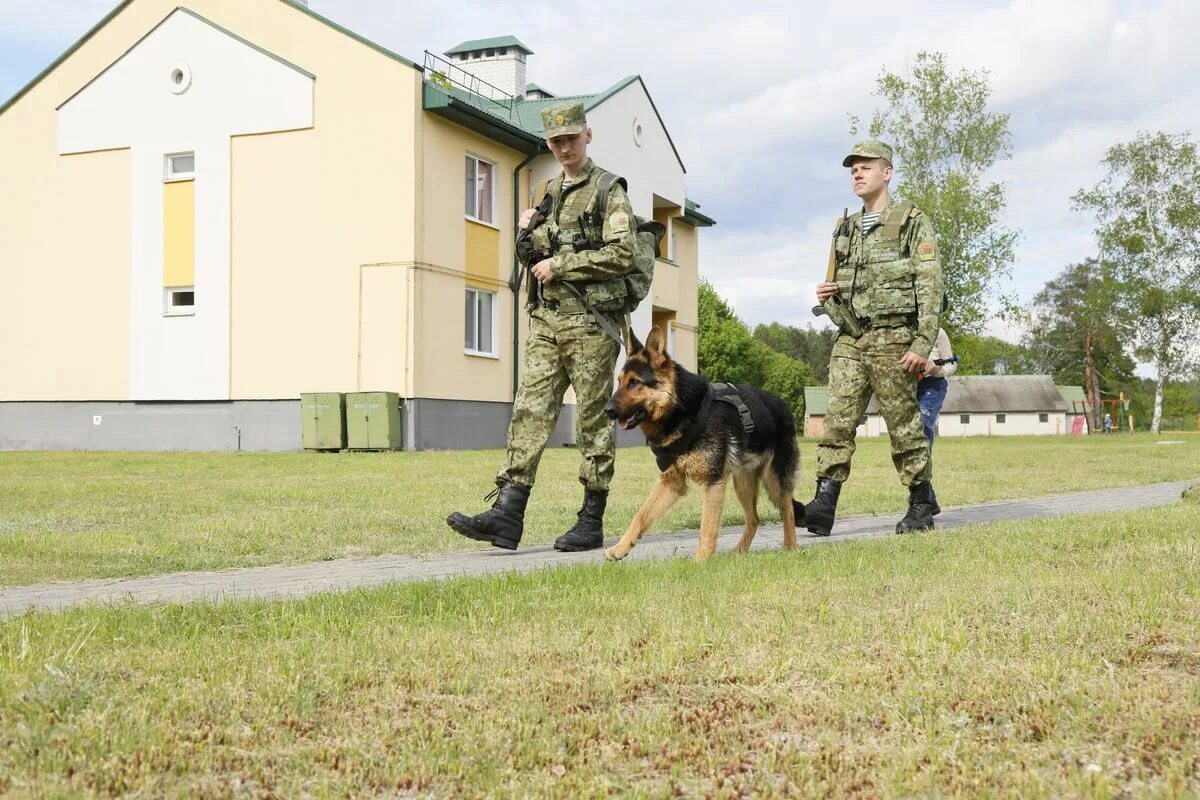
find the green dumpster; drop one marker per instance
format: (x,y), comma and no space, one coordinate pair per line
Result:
(323,420)
(373,421)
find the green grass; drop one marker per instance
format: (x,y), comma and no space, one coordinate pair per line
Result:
(1046,659)
(67,516)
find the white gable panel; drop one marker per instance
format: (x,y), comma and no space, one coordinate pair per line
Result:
(234,88)
(229,88)
(651,167)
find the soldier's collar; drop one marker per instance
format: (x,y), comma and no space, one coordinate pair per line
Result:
(584,175)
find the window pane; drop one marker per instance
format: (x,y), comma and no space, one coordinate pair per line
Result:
(183,299)
(964,419)
(485,192)
(469,340)
(485,322)
(183,164)
(470,208)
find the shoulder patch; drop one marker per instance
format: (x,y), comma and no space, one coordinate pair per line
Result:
(914,212)
(619,222)
(926,251)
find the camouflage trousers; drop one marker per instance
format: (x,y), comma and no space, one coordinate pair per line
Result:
(562,350)
(858,367)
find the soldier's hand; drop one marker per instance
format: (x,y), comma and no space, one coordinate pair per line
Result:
(913,362)
(527,217)
(541,271)
(826,291)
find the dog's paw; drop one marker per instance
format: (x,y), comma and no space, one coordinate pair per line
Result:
(615,553)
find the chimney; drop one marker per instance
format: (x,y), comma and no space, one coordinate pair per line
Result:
(499,61)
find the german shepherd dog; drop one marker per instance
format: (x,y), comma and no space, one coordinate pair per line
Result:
(694,438)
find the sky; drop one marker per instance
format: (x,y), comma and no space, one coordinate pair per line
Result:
(757,97)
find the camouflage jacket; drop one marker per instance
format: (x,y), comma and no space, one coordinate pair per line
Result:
(892,274)
(598,273)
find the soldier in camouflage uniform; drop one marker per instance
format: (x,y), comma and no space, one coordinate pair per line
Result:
(889,277)
(588,250)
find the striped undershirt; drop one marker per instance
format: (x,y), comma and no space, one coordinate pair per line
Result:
(869,220)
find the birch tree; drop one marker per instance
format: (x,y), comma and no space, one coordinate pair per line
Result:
(1148,224)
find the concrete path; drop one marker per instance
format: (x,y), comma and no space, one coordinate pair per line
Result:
(303,579)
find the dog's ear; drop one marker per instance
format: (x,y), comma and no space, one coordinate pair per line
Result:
(656,345)
(632,345)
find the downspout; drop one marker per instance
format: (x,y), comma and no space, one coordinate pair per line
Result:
(538,149)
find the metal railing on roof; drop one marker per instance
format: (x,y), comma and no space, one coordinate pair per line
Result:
(467,87)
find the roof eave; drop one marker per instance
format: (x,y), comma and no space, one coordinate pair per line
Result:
(437,101)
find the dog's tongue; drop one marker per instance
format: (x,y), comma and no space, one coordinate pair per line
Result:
(627,424)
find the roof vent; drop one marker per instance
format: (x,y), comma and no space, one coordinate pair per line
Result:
(499,61)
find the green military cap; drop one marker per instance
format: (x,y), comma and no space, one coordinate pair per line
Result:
(869,148)
(564,119)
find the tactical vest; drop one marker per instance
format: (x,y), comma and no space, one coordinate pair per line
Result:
(875,271)
(573,222)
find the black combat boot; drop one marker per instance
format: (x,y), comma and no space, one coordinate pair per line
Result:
(920,509)
(818,515)
(502,524)
(588,532)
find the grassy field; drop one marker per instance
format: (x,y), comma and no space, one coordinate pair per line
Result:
(98,515)
(1047,659)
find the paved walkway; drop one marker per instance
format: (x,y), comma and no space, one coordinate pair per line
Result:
(303,579)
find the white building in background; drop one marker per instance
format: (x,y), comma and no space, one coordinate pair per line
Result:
(978,405)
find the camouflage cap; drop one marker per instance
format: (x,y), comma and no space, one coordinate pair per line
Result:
(564,119)
(869,148)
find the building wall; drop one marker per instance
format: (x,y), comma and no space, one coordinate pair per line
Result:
(455,252)
(226,87)
(1018,424)
(307,209)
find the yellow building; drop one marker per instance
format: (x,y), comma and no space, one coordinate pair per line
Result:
(210,209)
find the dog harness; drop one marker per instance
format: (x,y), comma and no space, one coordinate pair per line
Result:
(722,393)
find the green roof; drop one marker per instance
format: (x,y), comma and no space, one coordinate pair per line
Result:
(816,400)
(527,114)
(1072,395)
(693,217)
(488,44)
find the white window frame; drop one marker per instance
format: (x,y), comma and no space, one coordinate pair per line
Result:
(1001,419)
(170,176)
(474,215)
(964,419)
(1044,418)
(495,301)
(170,310)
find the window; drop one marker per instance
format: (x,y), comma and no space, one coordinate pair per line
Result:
(179,301)
(964,419)
(502,51)
(179,167)
(1043,417)
(481,329)
(481,190)
(1001,419)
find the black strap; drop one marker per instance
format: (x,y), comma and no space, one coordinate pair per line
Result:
(604,323)
(665,456)
(728,393)
(721,392)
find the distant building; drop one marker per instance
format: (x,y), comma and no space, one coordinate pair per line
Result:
(977,405)
(1074,397)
